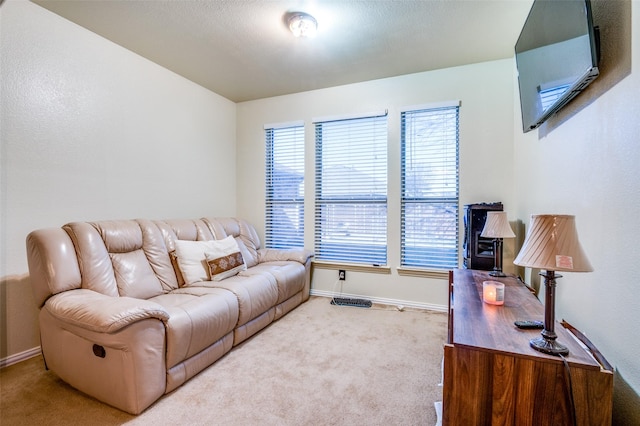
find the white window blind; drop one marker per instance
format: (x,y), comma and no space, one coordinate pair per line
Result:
(551,95)
(351,190)
(429,176)
(284,222)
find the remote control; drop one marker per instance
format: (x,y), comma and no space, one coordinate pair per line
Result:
(529,324)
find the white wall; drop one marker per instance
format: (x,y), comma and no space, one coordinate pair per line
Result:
(486,151)
(587,165)
(91,131)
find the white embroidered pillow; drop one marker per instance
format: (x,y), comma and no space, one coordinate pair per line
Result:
(192,260)
(225,260)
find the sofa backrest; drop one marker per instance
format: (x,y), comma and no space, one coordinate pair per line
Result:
(122,258)
(183,229)
(130,258)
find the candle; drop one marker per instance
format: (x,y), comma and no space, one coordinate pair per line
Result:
(493,292)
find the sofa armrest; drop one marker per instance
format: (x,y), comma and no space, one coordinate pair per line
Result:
(103,314)
(272,255)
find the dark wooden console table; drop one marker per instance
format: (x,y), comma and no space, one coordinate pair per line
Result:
(493,377)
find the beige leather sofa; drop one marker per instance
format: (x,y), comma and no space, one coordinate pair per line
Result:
(120,321)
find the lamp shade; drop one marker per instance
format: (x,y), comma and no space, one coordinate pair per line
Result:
(497,226)
(552,244)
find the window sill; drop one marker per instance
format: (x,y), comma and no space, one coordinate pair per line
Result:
(423,273)
(402,271)
(353,267)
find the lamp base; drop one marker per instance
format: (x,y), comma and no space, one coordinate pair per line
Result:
(548,346)
(495,273)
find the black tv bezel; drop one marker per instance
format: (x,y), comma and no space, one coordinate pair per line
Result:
(578,85)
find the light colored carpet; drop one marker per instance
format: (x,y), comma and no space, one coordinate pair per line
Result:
(319,365)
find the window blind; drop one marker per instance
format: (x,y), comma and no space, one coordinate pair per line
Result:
(284,201)
(430,187)
(351,190)
(551,95)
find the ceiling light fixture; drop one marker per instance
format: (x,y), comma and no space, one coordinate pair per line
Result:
(303,25)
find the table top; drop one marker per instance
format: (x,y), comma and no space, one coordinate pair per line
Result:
(491,327)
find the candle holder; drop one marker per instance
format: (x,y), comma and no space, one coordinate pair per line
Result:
(493,292)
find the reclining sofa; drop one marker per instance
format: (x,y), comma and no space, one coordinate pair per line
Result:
(132,309)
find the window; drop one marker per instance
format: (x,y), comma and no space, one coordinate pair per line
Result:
(351,190)
(549,96)
(284,222)
(429,178)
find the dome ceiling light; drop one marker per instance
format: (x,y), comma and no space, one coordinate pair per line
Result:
(303,25)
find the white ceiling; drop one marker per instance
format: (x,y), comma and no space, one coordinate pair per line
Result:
(243,50)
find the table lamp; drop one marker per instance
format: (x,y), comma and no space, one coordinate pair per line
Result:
(497,227)
(552,245)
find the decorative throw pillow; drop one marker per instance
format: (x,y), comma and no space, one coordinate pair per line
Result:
(225,260)
(192,260)
(174,262)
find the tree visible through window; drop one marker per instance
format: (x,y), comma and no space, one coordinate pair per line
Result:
(429,216)
(284,222)
(351,190)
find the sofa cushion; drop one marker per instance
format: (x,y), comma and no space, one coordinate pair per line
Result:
(225,260)
(134,275)
(256,294)
(196,320)
(289,276)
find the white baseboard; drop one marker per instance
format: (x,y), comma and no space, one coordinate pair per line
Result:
(16,358)
(383,301)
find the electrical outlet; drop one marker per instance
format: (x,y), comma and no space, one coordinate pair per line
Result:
(342,275)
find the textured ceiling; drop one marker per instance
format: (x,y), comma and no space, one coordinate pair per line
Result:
(243,50)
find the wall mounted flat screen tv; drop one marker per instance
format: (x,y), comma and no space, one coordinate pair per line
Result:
(556,56)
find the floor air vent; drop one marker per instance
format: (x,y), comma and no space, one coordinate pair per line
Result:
(347,301)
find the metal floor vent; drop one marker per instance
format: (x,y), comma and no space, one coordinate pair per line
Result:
(347,301)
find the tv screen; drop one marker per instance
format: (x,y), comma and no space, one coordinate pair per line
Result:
(556,57)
